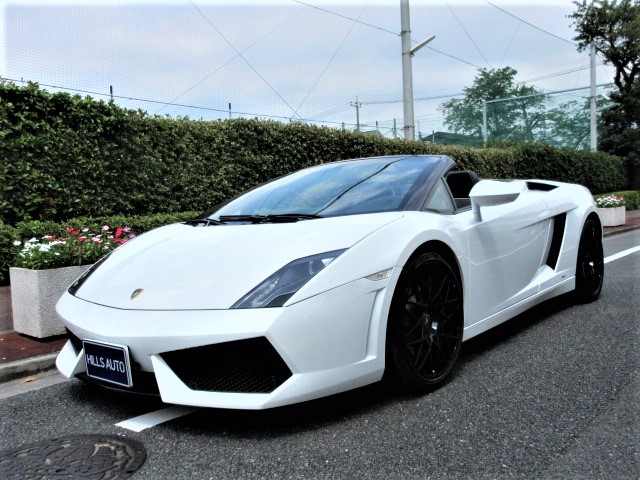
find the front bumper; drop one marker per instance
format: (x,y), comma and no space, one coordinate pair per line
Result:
(326,344)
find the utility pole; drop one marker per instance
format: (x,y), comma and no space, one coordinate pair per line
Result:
(407,71)
(111,91)
(229,110)
(357,105)
(395,129)
(594,128)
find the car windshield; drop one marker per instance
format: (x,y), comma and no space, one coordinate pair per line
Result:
(342,188)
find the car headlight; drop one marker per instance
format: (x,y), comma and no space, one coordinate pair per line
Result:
(281,286)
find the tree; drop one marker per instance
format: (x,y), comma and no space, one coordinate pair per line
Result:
(567,125)
(614,27)
(510,121)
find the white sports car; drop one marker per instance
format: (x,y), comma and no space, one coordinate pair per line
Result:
(327,279)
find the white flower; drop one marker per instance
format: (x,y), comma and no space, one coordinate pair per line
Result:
(17,242)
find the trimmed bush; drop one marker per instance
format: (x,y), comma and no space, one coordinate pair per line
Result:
(63,157)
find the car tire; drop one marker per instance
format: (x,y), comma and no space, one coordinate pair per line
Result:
(590,262)
(424,331)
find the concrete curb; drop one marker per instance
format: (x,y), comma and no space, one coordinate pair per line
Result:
(28,366)
(620,230)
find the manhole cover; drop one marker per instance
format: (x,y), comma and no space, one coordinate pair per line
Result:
(104,457)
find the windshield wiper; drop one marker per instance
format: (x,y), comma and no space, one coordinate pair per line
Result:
(290,217)
(242,218)
(205,222)
(274,218)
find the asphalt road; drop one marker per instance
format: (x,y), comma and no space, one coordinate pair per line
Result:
(552,394)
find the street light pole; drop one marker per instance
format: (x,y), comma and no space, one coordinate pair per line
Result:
(592,122)
(407,69)
(407,72)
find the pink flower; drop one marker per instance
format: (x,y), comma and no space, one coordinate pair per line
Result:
(105,228)
(119,232)
(126,229)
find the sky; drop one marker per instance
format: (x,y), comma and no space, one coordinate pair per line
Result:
(306,60)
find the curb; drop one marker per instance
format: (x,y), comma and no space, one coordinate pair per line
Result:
(28,366)
(618,230)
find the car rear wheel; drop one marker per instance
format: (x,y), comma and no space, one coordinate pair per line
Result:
(590,264)
(424,332)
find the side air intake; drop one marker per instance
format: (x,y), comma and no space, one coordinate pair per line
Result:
(559,223)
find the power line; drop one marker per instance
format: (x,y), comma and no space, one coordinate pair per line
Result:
(348,18)
(230,60)
(181,105)
(331,59)
(530,24)
(558,74)
(467,33)
(382,29)
(242,57)
(451,56)
(415,99)
(510,42)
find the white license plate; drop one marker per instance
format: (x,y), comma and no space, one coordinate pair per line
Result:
(107,362)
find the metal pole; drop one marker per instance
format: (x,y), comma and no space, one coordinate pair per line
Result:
(407,73)
(484,121)
(594,129)
(357,105)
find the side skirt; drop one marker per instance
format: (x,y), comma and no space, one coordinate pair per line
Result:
(496,319)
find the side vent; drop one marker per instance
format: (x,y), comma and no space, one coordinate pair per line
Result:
(559,223)
(544,187)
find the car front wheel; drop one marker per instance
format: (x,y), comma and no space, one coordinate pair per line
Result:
(424,332)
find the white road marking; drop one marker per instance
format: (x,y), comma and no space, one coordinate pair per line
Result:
(624,253)
(148,420)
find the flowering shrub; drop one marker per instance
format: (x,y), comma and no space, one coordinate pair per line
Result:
(610,201)
(76,247)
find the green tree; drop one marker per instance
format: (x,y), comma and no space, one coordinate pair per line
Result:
(509,121)
(614,27)
(567,124)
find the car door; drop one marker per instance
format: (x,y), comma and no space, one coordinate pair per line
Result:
(506,248)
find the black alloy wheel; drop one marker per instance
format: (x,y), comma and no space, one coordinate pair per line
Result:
(590,264)
(424,333)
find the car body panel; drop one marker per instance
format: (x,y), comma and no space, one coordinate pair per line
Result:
(331,333)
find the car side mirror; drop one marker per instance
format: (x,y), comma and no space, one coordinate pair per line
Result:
(489,193)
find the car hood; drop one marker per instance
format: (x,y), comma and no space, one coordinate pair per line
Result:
(182,267)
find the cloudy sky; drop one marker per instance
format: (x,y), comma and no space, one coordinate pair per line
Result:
(282,59)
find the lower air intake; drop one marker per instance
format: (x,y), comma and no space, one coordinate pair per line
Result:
(243,366)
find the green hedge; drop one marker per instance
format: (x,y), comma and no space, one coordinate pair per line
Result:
(26,230)
(65,156)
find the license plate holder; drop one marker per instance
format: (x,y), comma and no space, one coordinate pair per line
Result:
(108,362)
